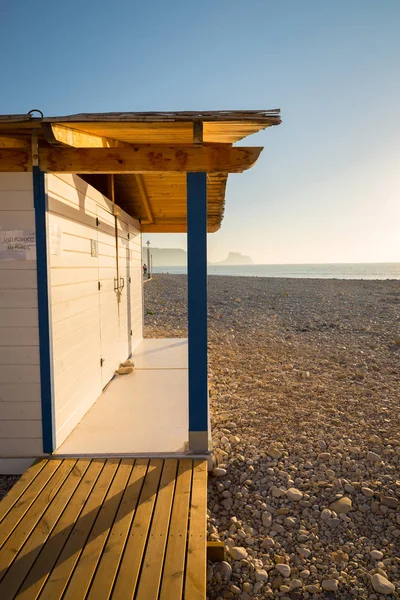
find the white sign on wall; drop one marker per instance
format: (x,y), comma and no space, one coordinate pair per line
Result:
(17,244)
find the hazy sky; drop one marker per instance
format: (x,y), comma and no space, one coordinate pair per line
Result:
(327,185)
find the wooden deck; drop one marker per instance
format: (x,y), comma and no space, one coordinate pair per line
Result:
(105,528)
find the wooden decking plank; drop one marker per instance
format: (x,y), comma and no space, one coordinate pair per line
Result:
(19,488)
(18,536)
(13,517)
(31,548)
(108,566)
(150,576)
(128,573)
(49,554)
(175,557)
(86,566)
(57,582)
(195,578)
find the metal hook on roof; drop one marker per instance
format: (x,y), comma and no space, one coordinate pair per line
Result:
(35,110)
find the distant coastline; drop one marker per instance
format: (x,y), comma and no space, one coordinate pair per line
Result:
(379,271)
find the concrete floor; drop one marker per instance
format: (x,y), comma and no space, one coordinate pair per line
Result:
(145,412)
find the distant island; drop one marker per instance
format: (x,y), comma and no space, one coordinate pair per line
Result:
(235,258)
(175,257)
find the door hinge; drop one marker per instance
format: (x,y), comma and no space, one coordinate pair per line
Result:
(97,221)
(130,279)
(99,285)
(102,360)
(131,332)
(129,237)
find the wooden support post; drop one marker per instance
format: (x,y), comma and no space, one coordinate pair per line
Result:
(197,310)
(215,551)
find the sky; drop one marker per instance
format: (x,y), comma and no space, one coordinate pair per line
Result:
(327,185)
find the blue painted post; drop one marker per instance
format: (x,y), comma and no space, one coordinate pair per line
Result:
(39,195)
(197,310)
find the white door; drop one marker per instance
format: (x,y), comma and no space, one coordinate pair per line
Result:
(108,298)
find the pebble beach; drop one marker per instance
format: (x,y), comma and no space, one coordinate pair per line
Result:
(305,397)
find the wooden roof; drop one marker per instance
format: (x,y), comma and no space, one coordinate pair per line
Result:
(151,184)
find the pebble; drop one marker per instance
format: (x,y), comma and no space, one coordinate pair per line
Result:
(294,494)
(382,585)
(330,585)
(266,519)
(225,569)
(295,584)
(373,457)
(376,554)
(367,492)
(261,575)
(219,472)
(342,506)
(389,501)
(284,570)
(238,553)
(274,452)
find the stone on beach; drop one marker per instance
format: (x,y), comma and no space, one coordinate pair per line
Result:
(382,585)
(294,494)
(274,452)
(342,506)
(284,570)
(219,472)
(238,553)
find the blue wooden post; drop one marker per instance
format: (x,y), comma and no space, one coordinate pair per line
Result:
(197,310)
(39,195)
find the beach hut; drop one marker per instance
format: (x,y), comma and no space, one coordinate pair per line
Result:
(76,194)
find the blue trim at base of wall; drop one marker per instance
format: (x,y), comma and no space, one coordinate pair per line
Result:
(197,300)
(39,195)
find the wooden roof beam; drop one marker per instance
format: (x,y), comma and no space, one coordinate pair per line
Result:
(11,142)
(198,133)
(144,198)
(61,135)
(148,159)
(135,159)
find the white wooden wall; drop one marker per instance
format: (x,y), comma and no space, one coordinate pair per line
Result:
(87,323)
(20,403)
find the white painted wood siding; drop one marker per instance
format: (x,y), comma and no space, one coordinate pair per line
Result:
(86,321)
(20,402)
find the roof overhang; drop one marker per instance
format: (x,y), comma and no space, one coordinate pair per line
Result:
(140,159)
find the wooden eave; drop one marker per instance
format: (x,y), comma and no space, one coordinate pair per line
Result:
(148,155)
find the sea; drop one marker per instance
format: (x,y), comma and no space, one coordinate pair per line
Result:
(312,271)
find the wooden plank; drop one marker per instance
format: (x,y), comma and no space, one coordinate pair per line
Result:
(50,552)
(175,557)
(150,576)
(195,580)
(138,159)
(14,541)
(128,574)
(108,567)
(20,487)
(86,566)
(26,499)
(34,543)
(61,573)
